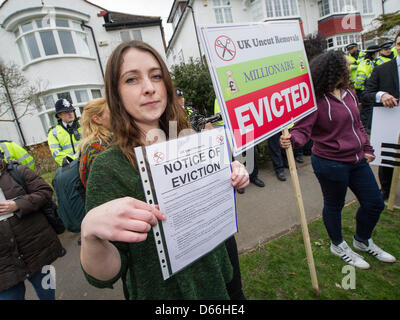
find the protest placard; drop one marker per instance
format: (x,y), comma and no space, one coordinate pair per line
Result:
(385,139)
(261,78)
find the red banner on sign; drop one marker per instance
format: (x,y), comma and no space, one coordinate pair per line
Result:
(256,114)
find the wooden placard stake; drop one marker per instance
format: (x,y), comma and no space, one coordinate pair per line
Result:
(303,220)
(393,186)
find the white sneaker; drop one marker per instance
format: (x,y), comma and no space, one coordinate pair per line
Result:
(349,256)
(373,249)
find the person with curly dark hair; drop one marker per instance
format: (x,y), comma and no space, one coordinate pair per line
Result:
(341,153)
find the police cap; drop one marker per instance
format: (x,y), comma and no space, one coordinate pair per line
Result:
(63,105)
(373,48)
(179,92)
(387,45)
(351,46)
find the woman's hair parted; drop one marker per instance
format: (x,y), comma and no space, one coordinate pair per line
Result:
(329,71)
(91,129)
(126,133)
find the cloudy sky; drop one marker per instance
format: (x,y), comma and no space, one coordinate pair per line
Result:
(159,8)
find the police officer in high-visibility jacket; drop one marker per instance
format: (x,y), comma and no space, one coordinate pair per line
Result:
(64,138)
(10,151)
(364,71)
(355,56)
(386,53)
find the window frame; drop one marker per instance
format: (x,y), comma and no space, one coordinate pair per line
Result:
(131,34)
(278,9)
(224,7)
(40,26)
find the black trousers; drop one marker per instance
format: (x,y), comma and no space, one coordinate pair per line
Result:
(278,154)
(235,286)
(385,178)
(254,173)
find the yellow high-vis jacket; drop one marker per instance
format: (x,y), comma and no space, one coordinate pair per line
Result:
(12,151)
(364,71)
(62,143)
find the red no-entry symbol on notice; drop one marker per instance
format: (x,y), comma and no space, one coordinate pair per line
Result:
(225,48)
(158,157)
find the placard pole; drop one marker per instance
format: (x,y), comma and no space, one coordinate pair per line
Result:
(303,220)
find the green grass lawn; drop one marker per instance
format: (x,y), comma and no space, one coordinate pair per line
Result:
(278,270)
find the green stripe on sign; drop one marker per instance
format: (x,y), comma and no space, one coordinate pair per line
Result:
(250,76)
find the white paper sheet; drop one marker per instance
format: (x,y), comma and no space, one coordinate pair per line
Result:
(192,181)
(385,128)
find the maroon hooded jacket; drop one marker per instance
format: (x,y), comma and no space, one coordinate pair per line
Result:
(335,128)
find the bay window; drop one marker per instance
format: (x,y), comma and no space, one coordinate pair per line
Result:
(41,38)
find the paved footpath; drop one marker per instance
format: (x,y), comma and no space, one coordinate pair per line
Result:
(263,214)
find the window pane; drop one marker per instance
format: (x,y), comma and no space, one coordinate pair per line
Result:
(52,118)
(22,51)
(341,5)
(66,42)
(326,7)
(137,35)
(285,5)
(228,15)
(339,40)
(82,44)
(49,44)
(216,3)
(277,5)
(49,102)
(64,95)
(81,96)
(27,27)
(293,4)
(125,36)
(43,120)
(335,6)
(268,5)
(76,25)
(62,23)
(39,24)
(96,93)
(32,46)
(345,40)
(218,16)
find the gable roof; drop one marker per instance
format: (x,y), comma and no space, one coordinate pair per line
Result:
(118,20)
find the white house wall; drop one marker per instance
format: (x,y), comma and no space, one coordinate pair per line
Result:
(185,39)
(63,72)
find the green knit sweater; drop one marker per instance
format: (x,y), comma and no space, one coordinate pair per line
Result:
(113,177)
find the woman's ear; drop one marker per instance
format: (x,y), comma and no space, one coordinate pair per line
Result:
(97,120)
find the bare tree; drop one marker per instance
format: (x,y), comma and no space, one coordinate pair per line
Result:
(16,93)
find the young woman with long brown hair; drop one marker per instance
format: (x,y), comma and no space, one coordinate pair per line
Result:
(116,241)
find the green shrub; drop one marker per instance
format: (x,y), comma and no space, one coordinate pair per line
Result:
(195,81)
